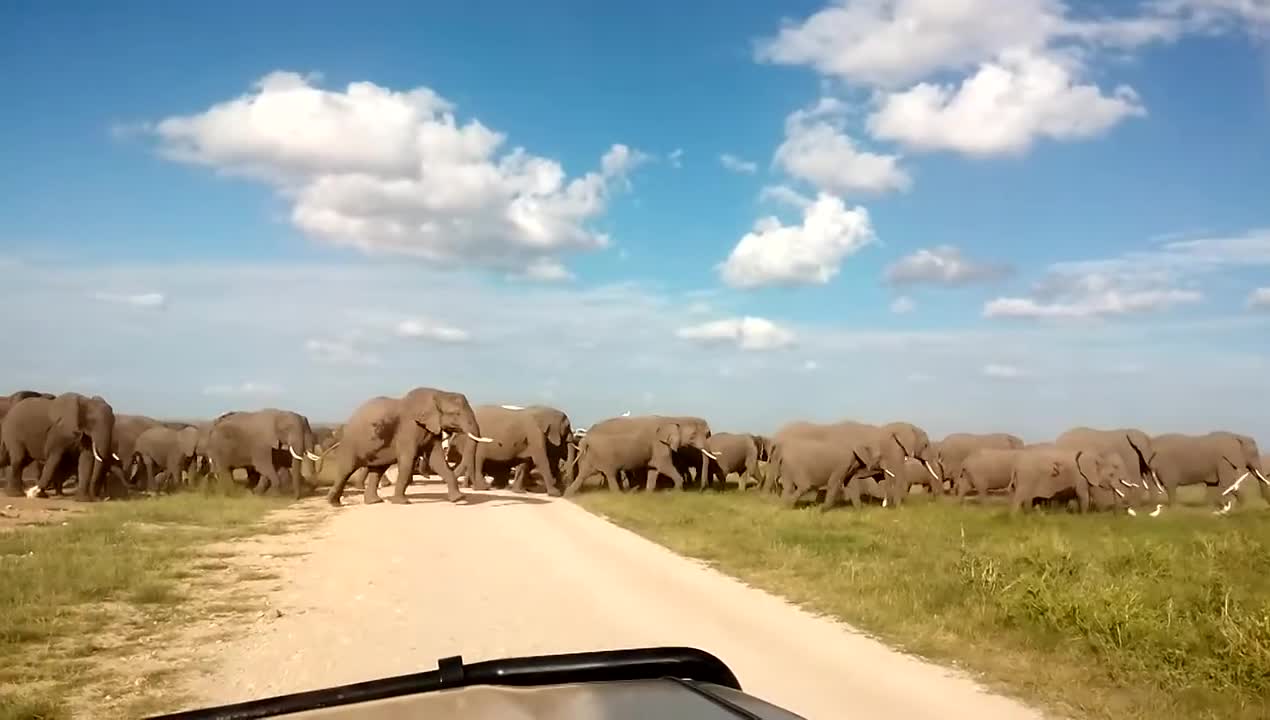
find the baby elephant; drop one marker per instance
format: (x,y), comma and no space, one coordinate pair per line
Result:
(985,470)
(171,451)
(1059,474)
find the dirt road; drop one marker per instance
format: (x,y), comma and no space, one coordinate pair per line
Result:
(387,590)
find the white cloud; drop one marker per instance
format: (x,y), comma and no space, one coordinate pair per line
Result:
(1137,281)
(805,254)
(139,300)
(941,265)
(335,352)
(394,172)
(811,366)
(817,149)
(747,333)
(1002,372)
(423,330)
(903,305)
(249,388)
(894,42)
(1259,298)
(737,165)
(676,158)
(1217,15)
(785,195)
(1003,108)
(548,270)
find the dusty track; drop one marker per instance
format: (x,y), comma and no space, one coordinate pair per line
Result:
(387,590)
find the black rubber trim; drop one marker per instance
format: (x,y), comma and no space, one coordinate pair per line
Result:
(717,700)
(602,666)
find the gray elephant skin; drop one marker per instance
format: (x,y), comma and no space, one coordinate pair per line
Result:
(384,431)
(1136,450)
(1222,460)
(1058,473)
(170,452)
(984,471)
(738,453)
(537,436)
(893,443)
(270,444)
(951,452)
(632,444)
(50,431)
(807,463)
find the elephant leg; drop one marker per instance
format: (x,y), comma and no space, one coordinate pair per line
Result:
(442,468)
(791,489)
(667,468)
(542,463)
(148,466)
(1082,496)
(519,473)
(13,476)
(833,492)
(405,468)
(478,468)
(269,479)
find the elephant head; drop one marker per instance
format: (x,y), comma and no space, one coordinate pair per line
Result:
(91,424)
(902,440)
(442,411)
(1104,473)
(671,435)
(1242,454)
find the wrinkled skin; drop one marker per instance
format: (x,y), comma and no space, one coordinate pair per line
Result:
(1136,450)
(270,444)
(168,451)
(736,453)
(1218,460)
(953,450)
(632,444)
(984,471)
(1056,473)
(895,442)
(385,430)
(52,432)
(694,435)
(806,464)
(537,437)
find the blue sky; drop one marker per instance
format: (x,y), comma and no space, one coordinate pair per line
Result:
(1017,217)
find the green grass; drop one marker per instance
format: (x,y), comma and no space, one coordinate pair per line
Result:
(1093,616)
(98,582)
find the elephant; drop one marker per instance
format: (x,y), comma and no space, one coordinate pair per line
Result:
(985,470)
(385,430)
(539,435)
(172,451)
(894,443)
(127,429)
(1059,473)
(692,455)
(1135,448)
(953,450)
(47,430)
(734,453)
(638,443)
(1218,459)
(805,463)
(270,444)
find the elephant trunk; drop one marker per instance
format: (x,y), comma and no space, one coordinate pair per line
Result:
(571,456)
(101,439)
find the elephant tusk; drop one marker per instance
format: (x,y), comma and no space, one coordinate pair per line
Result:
(1118,492)
(479,439)
(1133,513)
(115,456)
(1261,477)
(1235,485)
(1156,511)
(1156,477)
(709,454)
(96,454)
(312,455)
(1128,483)
(511,407)
(888,472)
(294,454)
(931,470)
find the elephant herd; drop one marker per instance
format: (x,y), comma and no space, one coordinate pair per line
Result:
(50,439)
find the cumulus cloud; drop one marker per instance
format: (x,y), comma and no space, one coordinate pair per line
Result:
(817,149)
(809,253)
(1004,107)
(244,389)
(1002,372)
(747,333)
(395,172)
(336,352)
(737,165)
(138,300)
(903,305)
(1259,298)
(416,329)
(1136,282)
(942,265)
(784,195)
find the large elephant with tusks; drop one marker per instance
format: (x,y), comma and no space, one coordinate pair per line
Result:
(271,444)
(47,431)
(385,431)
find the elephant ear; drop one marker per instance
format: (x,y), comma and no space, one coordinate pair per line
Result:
(671,435)
(552,430)
(429,417)
(67,412)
